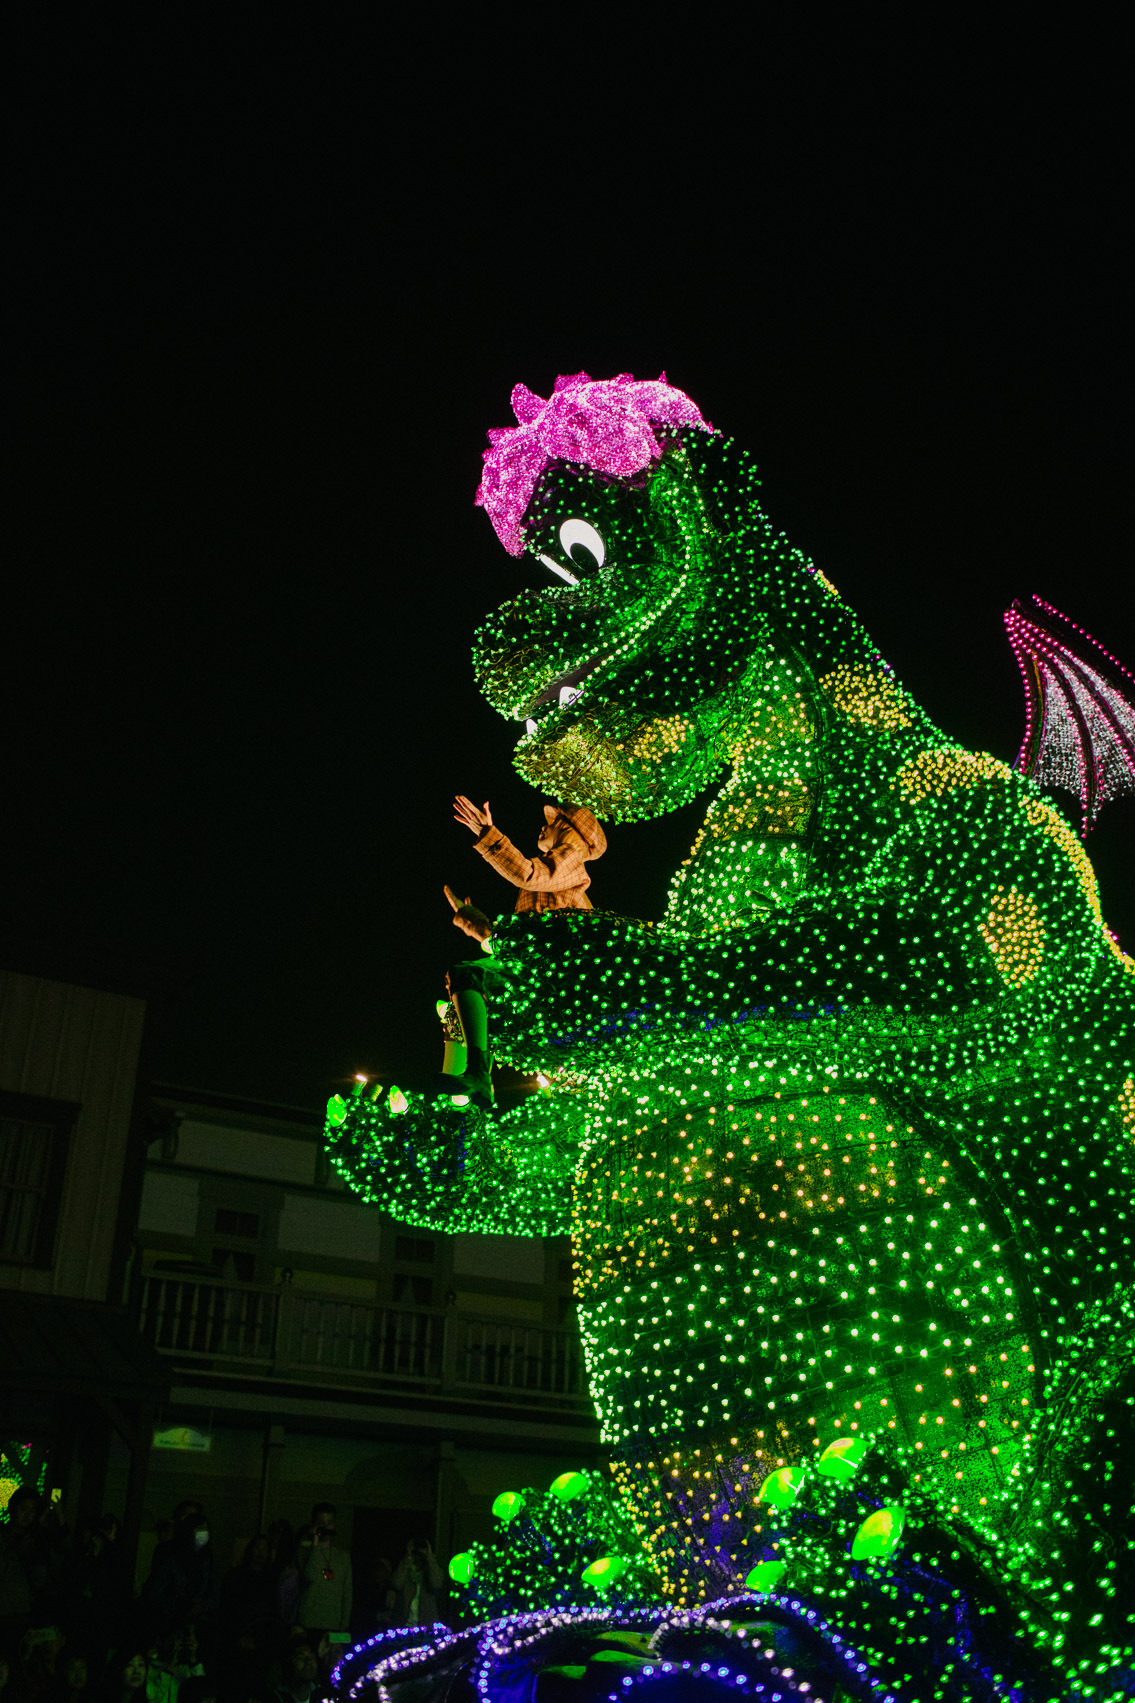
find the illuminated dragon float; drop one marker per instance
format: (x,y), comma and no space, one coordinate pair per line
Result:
(843,1142)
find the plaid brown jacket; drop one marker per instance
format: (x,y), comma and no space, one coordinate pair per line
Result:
(555,880)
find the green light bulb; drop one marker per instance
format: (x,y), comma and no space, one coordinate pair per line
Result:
(841,1459)
(507,1505)
(879,1535)
(569,1485)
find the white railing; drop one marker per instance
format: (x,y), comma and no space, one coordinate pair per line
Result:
(284,1331)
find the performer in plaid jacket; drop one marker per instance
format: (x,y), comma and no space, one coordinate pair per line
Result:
(556,879)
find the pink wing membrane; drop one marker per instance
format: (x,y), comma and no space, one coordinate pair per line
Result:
(1080,728)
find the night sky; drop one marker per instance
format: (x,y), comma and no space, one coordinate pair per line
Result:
(276,279)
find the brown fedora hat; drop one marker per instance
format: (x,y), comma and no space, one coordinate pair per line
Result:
(584,824)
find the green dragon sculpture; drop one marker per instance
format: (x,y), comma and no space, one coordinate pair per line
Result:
(844,1141)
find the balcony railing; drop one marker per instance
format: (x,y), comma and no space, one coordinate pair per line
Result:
(283,1332)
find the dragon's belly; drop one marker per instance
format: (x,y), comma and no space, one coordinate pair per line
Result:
(760,1273)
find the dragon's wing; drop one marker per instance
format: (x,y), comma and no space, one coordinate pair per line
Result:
(1080,729)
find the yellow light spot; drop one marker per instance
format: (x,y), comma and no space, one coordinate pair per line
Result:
(659,739)
(1044,817)
(1126,1105)
(931,774)
(1014,932)
(867,697)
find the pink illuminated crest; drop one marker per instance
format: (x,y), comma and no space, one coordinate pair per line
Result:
(1080,729)
(606,424)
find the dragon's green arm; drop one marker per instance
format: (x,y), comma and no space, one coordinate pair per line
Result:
(458,1169)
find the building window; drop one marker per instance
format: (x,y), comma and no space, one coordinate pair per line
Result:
(413,1292)
(236,1265)
(230,1223)
(413,1250)
(34,1137)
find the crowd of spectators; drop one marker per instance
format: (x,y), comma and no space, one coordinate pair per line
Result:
(269,1630)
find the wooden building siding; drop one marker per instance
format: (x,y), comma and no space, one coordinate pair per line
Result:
(63,1042)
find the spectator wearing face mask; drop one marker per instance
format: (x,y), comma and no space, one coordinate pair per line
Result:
(183,1589)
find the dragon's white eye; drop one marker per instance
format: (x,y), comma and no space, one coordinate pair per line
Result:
(582,545)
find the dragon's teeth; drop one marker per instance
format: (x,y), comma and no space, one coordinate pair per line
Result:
(529,726)
(568,694)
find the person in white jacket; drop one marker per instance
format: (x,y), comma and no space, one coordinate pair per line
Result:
(325,1577)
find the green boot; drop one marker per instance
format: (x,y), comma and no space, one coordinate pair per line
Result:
(476,1081)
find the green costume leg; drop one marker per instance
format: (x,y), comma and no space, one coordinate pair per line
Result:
(477,1079)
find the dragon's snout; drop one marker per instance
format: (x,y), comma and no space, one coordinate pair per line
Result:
(525,659)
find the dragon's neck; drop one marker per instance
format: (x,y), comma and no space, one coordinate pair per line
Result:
(781,824)
(749,859)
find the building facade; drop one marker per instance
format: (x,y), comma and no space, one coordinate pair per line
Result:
(319,1349)
(75,1376)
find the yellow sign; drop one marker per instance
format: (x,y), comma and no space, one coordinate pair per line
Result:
(183,1437)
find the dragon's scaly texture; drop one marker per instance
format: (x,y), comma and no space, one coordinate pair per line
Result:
(844,1141)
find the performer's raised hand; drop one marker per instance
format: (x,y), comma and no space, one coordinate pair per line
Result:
(468,918)
(464,810)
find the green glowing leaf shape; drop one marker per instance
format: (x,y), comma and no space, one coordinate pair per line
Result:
(879,1535)
(765,1575)
(840,1460)
(507,1505)
(462,1567)
(336,1110)
(569,1485)
(781,1488)
(398,1101)
(602,1573)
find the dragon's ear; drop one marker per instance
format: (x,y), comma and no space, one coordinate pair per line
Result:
(1079,727)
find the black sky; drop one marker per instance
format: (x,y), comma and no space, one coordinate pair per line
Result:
(277,276)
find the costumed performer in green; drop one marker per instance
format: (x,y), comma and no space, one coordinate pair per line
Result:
(556,879)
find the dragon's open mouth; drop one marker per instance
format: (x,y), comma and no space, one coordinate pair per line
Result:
(570,683)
